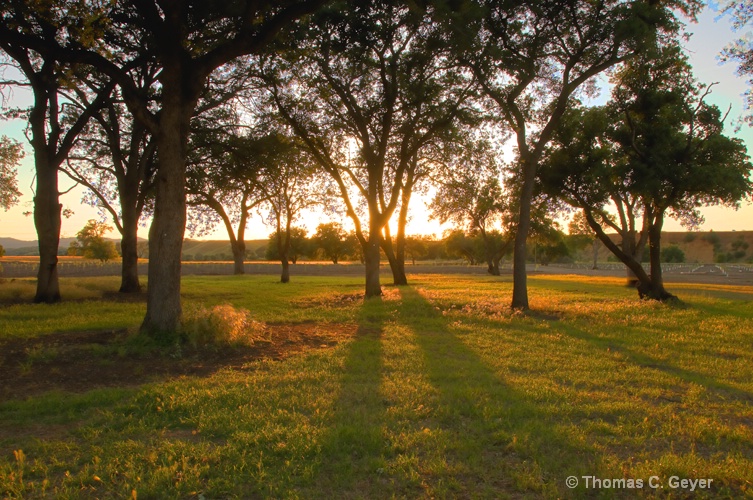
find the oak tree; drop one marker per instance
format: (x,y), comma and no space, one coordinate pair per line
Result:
(368,87)
(532,57)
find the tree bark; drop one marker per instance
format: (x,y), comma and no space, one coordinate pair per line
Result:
(285,276)
(239,256)
(496,260)
(492,265)
(371,258)
(519,276)
(657,290)
(163,308)
(402,222)
(129,275)
(47,219)
(644,285)
(396,266)
(47,207)
(283,247)
(595,248)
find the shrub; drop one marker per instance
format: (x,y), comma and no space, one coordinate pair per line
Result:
(672,253)
(222,324)
(713,238)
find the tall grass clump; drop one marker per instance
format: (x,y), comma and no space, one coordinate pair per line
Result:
(220,325)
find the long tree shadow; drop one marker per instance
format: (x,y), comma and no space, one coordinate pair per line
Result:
(615,344)
(353,448)
(502,441)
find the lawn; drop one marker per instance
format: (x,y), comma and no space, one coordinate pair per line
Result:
(438,390)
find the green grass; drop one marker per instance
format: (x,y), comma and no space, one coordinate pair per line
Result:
(442,393)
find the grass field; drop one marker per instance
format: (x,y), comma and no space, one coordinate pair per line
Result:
(437,391)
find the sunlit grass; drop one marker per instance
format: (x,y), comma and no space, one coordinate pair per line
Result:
(444,392)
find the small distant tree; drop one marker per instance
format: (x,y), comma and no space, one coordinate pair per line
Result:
(459,244)
(549,246)
(672,253)
(332,240)
(299,245)
(579,228)
(470,194)
(415,248)
(2,251)
(288,188)
(91,243)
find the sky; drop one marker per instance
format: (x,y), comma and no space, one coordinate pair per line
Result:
(710,35)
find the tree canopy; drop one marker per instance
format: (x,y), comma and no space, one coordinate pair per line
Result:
(11,153)
(650,151)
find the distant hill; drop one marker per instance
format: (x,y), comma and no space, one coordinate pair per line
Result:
(191,248)
(201,249)
(10,243)
(21,247)
(703,246)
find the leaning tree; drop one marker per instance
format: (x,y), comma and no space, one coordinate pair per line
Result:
(657,142)
(530,58)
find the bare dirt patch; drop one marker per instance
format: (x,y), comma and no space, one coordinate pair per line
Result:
(81,361)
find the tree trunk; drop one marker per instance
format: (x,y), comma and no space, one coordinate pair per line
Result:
(163,308)
(644,285)
(519,276)
(283,247)
(239,256)
(628,246)
(402,221)
(129,275)
(371,260)
(47,219)
(595,246)
(492,267)
(285,276)
(396,266)
(656,290)
(495,262)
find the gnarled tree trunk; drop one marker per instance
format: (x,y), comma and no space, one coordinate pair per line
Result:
(656,291)
(238,247)
(372,258)
(129,275)
(163,307)
(47,219)
(285,275)
(396,265)
(519,275)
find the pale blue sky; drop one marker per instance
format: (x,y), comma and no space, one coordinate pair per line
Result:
(710,35)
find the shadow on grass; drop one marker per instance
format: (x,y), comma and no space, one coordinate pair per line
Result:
(646,361)
(353,449)
(501,441)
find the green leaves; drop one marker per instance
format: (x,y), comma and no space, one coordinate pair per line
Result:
(11,153)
